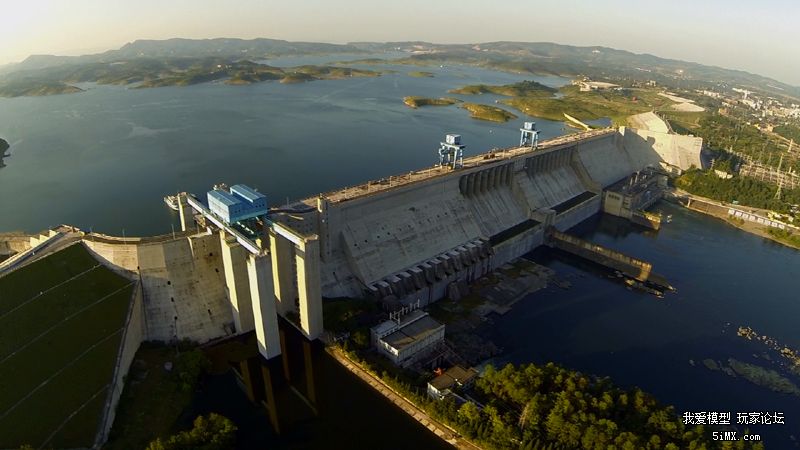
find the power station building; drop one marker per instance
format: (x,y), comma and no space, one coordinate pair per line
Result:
(241,203)
(405,339)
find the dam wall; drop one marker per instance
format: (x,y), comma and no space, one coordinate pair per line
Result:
(437,229)
(182,278)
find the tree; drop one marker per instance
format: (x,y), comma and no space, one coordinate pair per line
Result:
(214,432)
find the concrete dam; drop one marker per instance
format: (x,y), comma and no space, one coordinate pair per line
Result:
(415,237)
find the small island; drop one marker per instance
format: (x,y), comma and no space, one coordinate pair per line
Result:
(421,74)
(3,147)
(414,101)
(489,113)
(522,89)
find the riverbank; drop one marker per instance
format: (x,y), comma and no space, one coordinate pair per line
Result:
(441,430)
(719,210)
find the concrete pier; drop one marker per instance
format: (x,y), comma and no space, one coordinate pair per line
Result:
(308,287)
(259,269)
(237,282)
(282,272)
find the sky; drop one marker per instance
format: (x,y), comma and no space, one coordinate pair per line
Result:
(761,37)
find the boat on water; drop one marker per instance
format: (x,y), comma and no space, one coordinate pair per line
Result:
(171,201)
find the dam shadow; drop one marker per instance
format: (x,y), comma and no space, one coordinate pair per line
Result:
(317,403)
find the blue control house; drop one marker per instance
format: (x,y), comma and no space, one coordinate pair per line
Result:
(242,202)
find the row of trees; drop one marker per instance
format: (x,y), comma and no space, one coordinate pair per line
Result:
(549,407)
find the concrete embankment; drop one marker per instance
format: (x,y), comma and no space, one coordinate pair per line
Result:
(438,428)
(726,212)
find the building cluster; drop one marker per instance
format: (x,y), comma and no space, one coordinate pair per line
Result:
(759,106)
(409,337)
(587,85)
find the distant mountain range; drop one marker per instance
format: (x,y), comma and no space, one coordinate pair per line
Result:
(540,57)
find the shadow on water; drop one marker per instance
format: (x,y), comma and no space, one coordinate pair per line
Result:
(330,409)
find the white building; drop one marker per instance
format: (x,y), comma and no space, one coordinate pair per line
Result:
(402,341)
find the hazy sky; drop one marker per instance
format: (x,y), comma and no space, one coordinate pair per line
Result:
(757,36)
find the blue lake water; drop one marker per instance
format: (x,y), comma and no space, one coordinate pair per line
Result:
(103,159)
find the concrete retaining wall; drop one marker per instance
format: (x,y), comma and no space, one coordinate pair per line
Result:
(183,283)
(132,337)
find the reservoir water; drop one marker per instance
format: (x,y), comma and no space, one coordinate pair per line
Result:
(103,159)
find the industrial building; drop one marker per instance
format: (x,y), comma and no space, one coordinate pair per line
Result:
(405,339)
(631,196)
(455,377)
(241,203)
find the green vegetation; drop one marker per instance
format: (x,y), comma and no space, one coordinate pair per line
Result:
(521,89)
(486,112)
(214,432)
(421,74)
(745,190)
(538,100)
(786,237)
(329,72)
(154,398)
(549,407)
(149,73)
(61,323)
(416,101)
(730,133)
(533,406)
(21,88)
(617,105)
(789,132)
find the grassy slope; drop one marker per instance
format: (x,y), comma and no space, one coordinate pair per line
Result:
(55,330)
